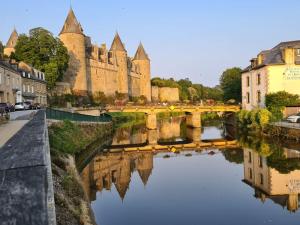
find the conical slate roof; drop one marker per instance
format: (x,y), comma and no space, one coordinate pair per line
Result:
(12,41)
(144,175)
(141,53)
(71,24)
(122,189)
(117,44)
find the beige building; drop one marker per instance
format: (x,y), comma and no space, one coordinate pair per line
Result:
(34,86)
(269,183)
(277,69)
(10,83)
(94,68)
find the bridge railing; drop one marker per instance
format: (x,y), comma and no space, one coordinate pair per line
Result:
(63,115)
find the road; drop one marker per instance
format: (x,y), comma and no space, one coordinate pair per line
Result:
(17,115)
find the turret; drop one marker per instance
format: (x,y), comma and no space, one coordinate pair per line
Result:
(142,60)
(11,43)
(74,40)
(120,53)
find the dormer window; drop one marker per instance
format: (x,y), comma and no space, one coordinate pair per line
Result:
(298,51)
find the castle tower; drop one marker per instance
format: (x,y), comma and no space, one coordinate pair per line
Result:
(11,43)
(142,60)
(74,40)
(120,53)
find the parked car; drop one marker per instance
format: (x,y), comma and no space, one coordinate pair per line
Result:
(28,105)
(19,106)
(8,107)
(36,106)
(294,118)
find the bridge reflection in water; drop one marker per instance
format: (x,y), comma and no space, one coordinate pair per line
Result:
(170,134)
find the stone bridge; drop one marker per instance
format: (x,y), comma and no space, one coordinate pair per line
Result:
(193,113)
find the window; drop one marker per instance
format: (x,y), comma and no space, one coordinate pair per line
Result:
(29,75)
(261,179)
(32,90)
(260,161)
(248,97)
(258,79)
(28,88)
(250,157)
(298,52)
(258,97)
(248,81)
(24,88)
(250,173)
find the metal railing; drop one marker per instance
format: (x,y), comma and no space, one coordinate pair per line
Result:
(63,115)
(287,124)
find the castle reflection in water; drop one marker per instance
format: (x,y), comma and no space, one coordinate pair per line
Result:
(112,168)
(115,169)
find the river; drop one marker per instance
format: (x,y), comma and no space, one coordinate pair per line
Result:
(256,182)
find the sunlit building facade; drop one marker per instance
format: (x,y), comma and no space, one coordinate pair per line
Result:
(277,69)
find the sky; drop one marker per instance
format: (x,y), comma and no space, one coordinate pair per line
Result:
(195,39)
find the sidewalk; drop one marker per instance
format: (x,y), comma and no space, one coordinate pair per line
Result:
(10,129)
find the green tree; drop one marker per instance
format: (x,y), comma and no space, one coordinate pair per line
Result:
(230,82)
(276,102)
(44,52)
(1,50)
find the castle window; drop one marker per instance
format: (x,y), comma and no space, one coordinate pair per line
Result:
(248,97)
(248,81)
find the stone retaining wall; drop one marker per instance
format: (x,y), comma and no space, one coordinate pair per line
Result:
(26,193)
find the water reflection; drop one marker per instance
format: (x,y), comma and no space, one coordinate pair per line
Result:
(273,183)
(116,169)
(206,182)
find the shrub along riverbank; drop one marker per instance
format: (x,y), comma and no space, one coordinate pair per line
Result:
(67,139)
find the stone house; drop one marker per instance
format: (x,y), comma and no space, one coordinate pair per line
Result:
(277,69)
(10,83)
(34,86)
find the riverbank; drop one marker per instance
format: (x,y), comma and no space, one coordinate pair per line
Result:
(282,132)
(68,139)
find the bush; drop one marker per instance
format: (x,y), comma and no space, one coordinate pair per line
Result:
(255,119)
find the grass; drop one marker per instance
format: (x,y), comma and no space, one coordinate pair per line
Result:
(71,138)
(123,119)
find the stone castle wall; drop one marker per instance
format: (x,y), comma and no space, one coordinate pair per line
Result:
(76,74)
(165,94)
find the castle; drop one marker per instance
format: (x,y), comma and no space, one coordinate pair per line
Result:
(93,69)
